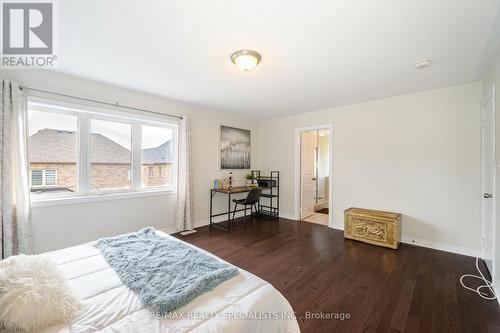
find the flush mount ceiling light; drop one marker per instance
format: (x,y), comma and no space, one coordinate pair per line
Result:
(422,63)
(246,60)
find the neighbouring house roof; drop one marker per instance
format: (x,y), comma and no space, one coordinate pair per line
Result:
(59,146)
(160,154)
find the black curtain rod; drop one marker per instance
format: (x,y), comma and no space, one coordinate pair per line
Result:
(100,102)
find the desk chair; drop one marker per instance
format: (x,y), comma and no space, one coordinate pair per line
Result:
(251,200)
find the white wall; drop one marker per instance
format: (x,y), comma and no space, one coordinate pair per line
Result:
(493,77)
(416,154)
(61,226)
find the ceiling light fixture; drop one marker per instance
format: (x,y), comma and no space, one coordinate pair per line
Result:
(246,60)
(422,63)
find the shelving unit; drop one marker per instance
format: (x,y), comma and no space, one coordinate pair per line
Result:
(269,204)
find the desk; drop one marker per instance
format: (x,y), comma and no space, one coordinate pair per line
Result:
(228,192)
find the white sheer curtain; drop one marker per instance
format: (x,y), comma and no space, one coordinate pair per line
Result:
(184,220)
(15,214)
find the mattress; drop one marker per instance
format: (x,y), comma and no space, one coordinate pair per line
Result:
(244,303)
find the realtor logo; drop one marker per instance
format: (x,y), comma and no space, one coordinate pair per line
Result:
(28,34)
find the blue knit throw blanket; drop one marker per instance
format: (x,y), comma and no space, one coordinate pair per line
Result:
(165,273)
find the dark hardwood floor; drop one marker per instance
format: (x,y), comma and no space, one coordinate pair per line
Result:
(413,289)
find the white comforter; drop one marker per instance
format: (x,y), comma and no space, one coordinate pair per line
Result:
(244,303)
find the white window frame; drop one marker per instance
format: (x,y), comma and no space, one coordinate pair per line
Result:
(84,114)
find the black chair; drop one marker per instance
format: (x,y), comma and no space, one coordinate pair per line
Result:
(251,200)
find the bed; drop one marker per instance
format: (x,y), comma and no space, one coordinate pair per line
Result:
(245,303)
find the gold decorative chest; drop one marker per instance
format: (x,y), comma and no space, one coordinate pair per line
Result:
(372,226)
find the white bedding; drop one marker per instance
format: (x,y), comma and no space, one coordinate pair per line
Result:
(244,303)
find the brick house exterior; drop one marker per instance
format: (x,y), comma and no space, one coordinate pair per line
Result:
(156,174)
(56,150)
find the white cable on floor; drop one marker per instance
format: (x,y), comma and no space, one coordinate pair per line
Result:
(487,284)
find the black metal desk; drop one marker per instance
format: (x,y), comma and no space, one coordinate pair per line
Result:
(228,192)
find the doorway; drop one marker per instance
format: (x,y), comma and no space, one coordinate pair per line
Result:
(315,175)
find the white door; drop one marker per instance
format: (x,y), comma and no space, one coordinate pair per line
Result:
(488,180)
(308,141)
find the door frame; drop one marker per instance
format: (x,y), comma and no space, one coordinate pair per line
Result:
(297,190)
(489,96)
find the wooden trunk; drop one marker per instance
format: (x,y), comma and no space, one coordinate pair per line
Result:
(372,226)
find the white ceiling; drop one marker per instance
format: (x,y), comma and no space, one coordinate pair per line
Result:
(316,54)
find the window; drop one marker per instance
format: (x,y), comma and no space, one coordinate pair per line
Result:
(110,155)
(36,177)
(43,178)
(52,150)
(50,177)
(158,151)
(74,150)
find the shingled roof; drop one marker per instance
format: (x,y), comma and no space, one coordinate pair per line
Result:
(160,154)
(59,146)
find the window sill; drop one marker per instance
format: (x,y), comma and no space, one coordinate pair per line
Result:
(80,199)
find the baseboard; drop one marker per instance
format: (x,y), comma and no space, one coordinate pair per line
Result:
(201,223)
(204,222)
(288,217)
(170,230)
(338,227)
(441,247)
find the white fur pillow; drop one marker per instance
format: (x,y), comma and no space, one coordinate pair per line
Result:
(33,294)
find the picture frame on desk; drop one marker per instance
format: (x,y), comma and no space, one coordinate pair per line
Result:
(234,148)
